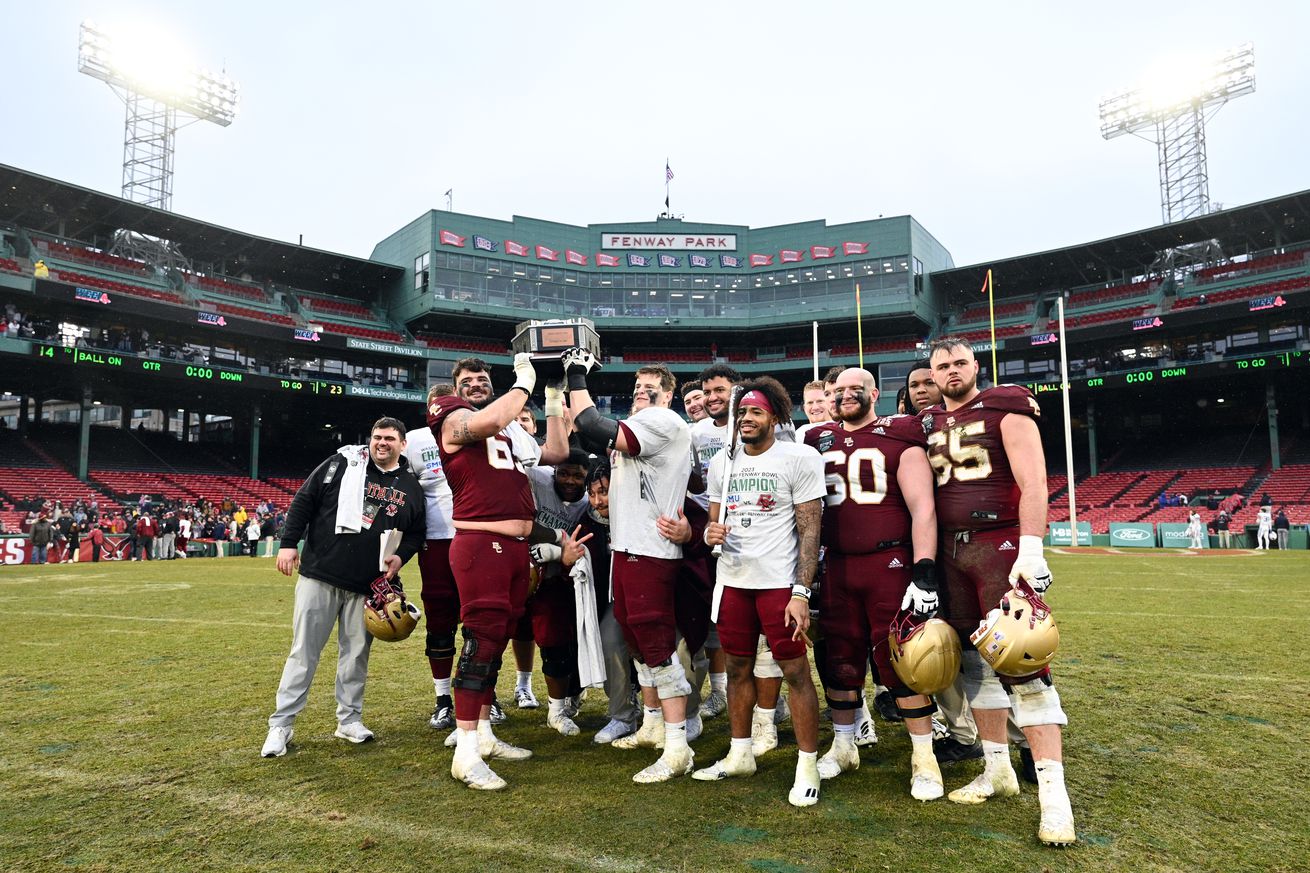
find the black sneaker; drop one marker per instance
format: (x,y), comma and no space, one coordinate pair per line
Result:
(443,714)
(886,706)
(497,714)
(1029,769)
(950,750)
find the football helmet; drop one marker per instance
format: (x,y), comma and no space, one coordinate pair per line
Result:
(924,653)
(387,614)
(1019,636)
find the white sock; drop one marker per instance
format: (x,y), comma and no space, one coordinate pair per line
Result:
(1049,772)
(442,686)
(524,681)
(719,682)
(996,756)
(556,707)
(652,712)
(1051,792)
(802,757)
(484,728)
(843,734)
(675,736)
(765,716)
(466,743)
(921,741)
(740,744)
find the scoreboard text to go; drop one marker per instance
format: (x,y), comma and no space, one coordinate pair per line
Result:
(197,372)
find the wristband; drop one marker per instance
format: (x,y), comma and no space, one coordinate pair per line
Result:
(800,591)
(521,388)
(705,535)
(577,380)
(1030,546)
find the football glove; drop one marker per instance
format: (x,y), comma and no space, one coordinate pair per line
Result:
(525,376)
(921,595)
(546,553)
(1030,566)
(578,362)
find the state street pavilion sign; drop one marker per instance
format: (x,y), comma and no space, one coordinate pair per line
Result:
(670,242)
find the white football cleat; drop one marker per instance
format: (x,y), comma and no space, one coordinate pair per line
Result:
(838,760)
(614,730)
(805,790)
(713,705)
(865,734)
(764,737)
(525,699)
(1056,828)
(353,731)
(669,766)
(475,773)
(649,736)
(735,764)
(276,744)
(1000,783)
(562,723)
(925,776)
(451,739)
(491,746)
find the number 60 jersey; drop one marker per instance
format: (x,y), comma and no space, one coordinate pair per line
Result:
(486,478)
(865,511)
(975,484)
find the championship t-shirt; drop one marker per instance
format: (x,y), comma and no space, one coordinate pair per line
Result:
(425,460)
(763,491)
(552,512)
(652,484)
(707,440)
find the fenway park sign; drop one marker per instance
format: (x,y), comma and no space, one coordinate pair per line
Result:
(672,242)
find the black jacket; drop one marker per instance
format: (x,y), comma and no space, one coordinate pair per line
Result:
(350,561)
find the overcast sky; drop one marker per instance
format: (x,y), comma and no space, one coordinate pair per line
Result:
(979,119)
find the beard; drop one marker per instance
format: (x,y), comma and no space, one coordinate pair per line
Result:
(962,391)
(865,404)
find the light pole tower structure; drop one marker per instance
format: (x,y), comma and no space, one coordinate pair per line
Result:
(1172,113)
(159,91)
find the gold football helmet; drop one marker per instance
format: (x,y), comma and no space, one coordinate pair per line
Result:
(387,614)
(1019,637)
(924,654)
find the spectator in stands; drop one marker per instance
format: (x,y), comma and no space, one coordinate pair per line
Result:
(268,529)
(1282,527)
(1222,523)
(1164,499)
(240,515)
(43,533)
(1212,502)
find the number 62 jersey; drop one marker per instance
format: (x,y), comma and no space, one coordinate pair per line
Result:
(976,489)
(865,511)
(486,478)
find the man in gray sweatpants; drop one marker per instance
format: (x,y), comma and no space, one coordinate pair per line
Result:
(342,510)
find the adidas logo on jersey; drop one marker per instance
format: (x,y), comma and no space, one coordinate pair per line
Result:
(1006,546)
(895,563)
(879,430)
(977,405)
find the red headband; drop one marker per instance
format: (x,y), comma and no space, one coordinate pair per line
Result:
(756,398)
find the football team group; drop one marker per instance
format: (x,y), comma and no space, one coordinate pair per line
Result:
(646,555)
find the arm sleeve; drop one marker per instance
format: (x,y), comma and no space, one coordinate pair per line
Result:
(303,506)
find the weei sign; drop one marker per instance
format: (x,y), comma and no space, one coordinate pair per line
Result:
(1131,535)
(1062,535)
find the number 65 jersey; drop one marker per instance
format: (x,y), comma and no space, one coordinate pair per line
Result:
(486,478)
(865,511)
(975,483)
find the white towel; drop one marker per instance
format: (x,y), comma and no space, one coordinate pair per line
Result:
(591,657)
(350,498)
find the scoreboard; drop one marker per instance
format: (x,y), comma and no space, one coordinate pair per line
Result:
(1152,377)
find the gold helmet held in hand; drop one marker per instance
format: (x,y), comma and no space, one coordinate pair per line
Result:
(1019,637)
(924,654)
(387,614)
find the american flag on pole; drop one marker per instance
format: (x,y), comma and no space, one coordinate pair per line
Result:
(668,174)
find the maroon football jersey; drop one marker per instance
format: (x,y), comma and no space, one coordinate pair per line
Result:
(975,483)
(487,481)
(865,510)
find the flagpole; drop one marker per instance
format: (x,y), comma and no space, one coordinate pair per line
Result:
(815,325)
(859,324)
(668,177)
(991,316)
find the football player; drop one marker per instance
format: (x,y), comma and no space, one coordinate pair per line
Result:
(815,404)
(693,401)
(986,451)
(648,482)
(880,539)
(770,539)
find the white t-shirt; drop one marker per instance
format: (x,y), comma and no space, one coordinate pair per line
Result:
(650,485)
(425,462)
(805,428)
(707,440)
(761,548)
(524,445)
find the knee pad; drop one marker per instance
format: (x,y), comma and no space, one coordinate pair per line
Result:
(981,684)
(1036,702)
(473,673)
(645,678)
(440,645)
(557,661)
(670,680)
(917,711)
(842,704)
(765,666)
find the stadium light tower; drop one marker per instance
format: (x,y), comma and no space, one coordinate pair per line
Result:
(1171,111)
(147,72)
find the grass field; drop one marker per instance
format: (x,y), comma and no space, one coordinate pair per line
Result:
(135,699)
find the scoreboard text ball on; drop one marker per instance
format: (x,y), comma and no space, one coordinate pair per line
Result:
(546,339)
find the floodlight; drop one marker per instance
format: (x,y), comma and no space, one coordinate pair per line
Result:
(1175,103)
(156,81)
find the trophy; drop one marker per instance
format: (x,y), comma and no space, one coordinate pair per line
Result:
(547,339)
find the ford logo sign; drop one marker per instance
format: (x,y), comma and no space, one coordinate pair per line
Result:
(1131,533)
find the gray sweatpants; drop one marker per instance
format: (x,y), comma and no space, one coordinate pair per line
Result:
(320,606)
(618,667)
